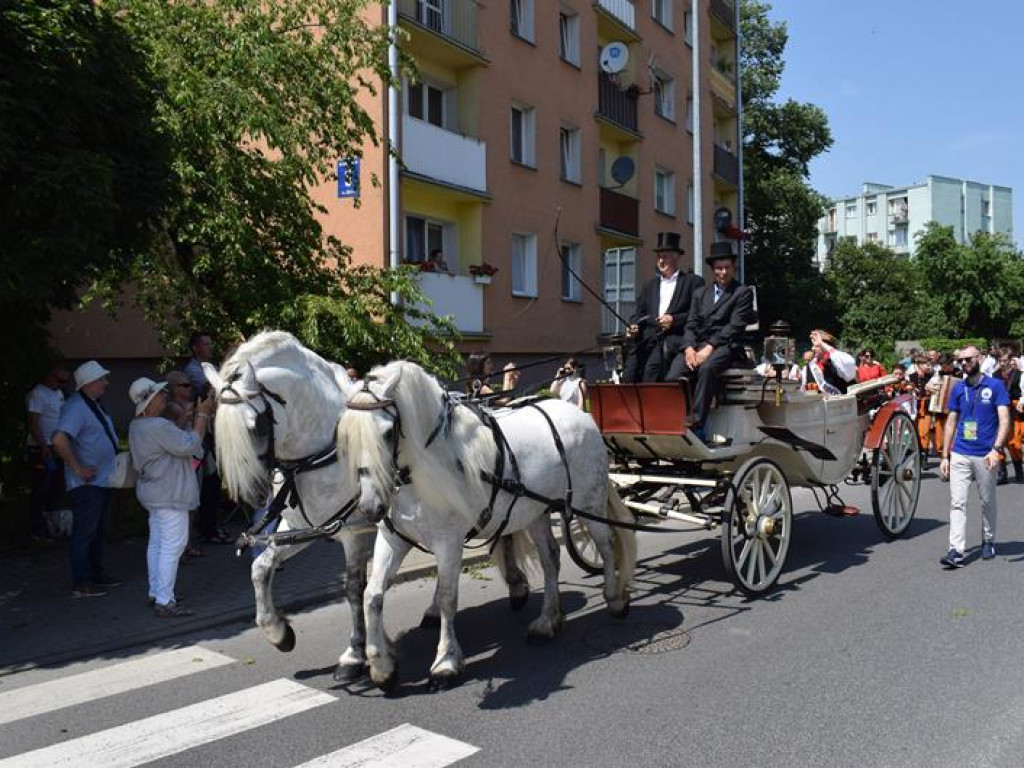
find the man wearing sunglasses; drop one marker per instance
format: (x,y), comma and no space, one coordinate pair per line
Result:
(972,451)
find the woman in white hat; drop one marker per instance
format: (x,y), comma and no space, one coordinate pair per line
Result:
(167,486)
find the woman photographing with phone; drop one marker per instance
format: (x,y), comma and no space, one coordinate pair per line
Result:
(569,385)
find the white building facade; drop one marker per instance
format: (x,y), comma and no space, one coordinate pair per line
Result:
(893,216)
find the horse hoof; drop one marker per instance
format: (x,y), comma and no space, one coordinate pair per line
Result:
(287,643)
(534,638)
(387,685)
(347,673)
(518,602)
(430,621)
(441,681)
(621,613)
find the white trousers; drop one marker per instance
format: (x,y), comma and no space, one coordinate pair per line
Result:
(168,535)
(962,470)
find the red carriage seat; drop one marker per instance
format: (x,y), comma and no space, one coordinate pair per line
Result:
(641,409)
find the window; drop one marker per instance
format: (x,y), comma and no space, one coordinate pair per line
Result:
(569,139)
(521,18)
(569,38)
(851,210)
(571,260)
(664,96)
(521,137)
(430,13)
(691,204)
(428,102)
(986,207)
(872,237)
(688,28)
(619,287)
(665,192)
(898,237)
(689,113)
(423,236)
(661,10)
(524,264)
(870,207)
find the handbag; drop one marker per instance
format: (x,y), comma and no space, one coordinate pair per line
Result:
(123,474)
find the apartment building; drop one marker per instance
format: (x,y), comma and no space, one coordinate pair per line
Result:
(515,149)
(893,216)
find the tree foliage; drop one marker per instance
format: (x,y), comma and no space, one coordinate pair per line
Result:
(257,102)
(782,210)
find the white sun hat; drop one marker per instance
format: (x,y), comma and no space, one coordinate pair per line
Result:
(143,390)
(88,372)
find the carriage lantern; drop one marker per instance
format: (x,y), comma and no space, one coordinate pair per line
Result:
(780,347)
(613,351)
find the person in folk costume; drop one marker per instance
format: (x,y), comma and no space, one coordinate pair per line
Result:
(918,380)
(1010,375)
(832,369)
(939,387)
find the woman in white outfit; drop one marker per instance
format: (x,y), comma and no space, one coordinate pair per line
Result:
(568,385)
(167,486)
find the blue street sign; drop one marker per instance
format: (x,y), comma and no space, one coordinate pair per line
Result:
(348,178)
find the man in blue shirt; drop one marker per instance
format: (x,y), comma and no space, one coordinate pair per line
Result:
(86,441)
(976,431)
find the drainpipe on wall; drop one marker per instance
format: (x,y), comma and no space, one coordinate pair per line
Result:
(740,223)
(698,185)
(392,211)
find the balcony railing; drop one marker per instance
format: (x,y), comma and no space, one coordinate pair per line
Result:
(725,12)
(727,165)
(458,20)
(456,296)
(899,215)
(615,103)
(623,10)
(620,212)
(444,155)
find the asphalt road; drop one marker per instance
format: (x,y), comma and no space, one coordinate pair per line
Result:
(867,654)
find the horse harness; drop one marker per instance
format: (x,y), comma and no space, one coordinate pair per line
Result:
(288,494)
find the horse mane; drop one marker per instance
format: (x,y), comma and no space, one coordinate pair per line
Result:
(453,461)
(243,473)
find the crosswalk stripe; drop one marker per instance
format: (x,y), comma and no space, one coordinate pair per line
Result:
(108,681)
(403,747)
(172,732)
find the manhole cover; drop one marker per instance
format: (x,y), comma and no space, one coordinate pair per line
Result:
(638,638)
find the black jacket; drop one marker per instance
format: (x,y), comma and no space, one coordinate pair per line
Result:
(720,324)
(679,307)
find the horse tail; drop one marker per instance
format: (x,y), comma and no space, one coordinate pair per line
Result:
(623,538)
(524,554)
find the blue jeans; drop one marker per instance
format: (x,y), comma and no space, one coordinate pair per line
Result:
(90,506)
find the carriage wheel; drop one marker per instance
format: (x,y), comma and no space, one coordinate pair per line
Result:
(581,546)
(896,476)
(757,526)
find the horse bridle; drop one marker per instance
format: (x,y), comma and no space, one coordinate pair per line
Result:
(390,407)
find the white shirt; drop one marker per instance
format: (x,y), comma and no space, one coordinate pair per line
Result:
(989,365)
(665,291)
(46,402)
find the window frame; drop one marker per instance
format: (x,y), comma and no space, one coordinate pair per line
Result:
(448,244)
(528,135)
(570,141)
(665,179)
(666,6)
(569,37)
(521,20)
(529,267)
(664,87)
(572,288)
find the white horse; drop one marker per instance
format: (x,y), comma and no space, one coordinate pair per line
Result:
(279,404)
(403,426)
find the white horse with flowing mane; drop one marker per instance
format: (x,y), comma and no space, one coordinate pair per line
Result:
(403,433)
(278,407)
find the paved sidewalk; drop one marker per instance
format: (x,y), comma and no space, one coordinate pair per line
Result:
(41,624)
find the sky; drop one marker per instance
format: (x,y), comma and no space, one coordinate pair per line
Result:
(911,88)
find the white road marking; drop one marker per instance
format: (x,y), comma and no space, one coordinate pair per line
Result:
(403,747)
(108,681)
(173,732)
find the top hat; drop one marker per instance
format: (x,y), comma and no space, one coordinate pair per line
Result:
(668,241)
(720,250)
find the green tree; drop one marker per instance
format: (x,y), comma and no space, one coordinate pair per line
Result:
(782,210)
(82,173)
(258,101)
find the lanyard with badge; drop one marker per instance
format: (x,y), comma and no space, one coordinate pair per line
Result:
(970,423)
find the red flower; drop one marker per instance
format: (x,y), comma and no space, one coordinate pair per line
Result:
(477,270)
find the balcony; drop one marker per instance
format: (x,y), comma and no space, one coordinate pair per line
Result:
(899,214)
(725,12)
(727,165)
(616,104)
(456,22)
(457,296)
(622,11)
(620,213)
(445,156)
(723,89)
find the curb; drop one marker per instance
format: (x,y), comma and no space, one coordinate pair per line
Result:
(323,594)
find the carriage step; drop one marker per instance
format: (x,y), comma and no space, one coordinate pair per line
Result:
(840,510)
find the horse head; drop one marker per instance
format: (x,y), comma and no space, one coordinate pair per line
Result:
(369,432)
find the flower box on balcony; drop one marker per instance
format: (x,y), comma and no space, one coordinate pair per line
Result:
(482,273)
(482,279)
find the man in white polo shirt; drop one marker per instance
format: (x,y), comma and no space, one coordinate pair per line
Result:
(44,402)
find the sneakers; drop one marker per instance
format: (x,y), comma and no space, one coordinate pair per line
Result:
(988,550)
(87,590)
(953,559)
(152,600)
(172,611)
(106,581)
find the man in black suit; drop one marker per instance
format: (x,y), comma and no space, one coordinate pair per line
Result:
(714,330)
(655,332)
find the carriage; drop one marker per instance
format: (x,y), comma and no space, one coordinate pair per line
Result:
(766,436)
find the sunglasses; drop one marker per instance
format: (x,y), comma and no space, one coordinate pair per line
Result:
(966,359)
(183,386)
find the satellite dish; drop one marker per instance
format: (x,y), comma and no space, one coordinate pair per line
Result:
(614,58)
(623,169)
